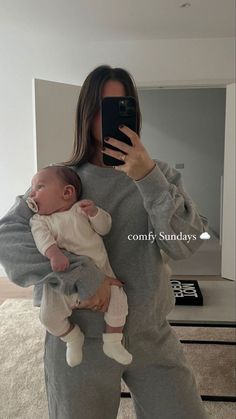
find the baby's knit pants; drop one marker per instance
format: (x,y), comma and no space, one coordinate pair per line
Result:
(56,307)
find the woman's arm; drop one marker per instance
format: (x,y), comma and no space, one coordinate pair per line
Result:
(25,266)
(170,208)
(171,211)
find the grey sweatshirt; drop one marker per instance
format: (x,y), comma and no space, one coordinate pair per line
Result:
(146,217)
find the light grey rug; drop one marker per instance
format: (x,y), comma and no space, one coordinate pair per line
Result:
(22,393)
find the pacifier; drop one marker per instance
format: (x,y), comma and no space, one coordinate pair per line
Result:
(32,205)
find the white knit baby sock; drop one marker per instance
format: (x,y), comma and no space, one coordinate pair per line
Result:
(113,348)
(74,343)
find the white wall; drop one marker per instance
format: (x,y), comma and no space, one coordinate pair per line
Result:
(55,112)
(228,230)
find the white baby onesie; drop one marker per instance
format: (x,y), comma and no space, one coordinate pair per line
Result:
(74,231)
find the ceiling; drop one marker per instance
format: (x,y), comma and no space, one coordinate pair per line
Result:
(121,20)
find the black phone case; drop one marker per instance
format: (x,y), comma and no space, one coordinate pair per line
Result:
(114,115)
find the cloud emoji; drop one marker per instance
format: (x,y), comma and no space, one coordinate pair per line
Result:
(205,236)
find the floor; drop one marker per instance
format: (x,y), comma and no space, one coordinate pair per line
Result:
(10,290)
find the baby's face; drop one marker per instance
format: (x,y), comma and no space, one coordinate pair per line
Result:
(47,191)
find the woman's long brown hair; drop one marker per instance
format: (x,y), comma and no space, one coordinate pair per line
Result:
(89,105)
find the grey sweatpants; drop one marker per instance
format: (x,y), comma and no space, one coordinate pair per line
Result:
(159,378)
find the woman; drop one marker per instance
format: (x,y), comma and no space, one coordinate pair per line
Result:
(144,197)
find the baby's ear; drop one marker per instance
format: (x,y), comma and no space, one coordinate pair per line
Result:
(68,192)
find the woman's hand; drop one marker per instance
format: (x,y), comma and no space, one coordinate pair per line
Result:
(100,300)
(137,161)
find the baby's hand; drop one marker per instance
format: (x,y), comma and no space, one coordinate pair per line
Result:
(59,263)
(88,207)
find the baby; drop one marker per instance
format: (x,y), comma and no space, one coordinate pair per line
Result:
(63,222)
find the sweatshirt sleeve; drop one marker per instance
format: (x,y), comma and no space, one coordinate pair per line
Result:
(42,234)
(25,266)
(101,222)
(171,211)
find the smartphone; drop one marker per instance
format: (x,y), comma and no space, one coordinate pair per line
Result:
(117,110)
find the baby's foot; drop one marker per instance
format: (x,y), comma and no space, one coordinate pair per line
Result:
(113,348)
(74,343)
